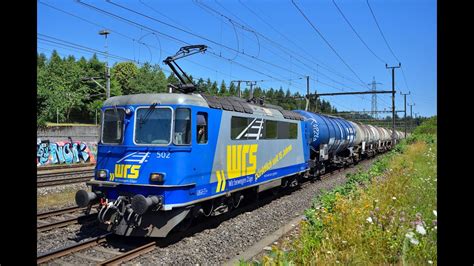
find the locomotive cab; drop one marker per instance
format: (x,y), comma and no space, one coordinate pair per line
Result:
(147,153)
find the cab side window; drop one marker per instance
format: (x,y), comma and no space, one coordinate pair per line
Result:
(182,126)
(202,126)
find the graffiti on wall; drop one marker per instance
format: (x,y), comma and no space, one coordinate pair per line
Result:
(67,152)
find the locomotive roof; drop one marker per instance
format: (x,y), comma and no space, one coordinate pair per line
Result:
(160,98)
(225,103)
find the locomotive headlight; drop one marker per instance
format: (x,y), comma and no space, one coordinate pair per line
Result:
(128,111)
(101,174)
(157,177)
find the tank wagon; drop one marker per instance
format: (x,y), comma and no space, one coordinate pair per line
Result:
(164,159)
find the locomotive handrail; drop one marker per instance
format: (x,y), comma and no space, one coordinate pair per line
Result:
(148,148)
(114,184)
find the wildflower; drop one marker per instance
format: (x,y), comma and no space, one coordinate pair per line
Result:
(420,229)
(435,213)
(329,252)
(344,242)
(394,198)
(411,237)
(369,219)
(430,262)
(376,201)
(377,209)
(435,222)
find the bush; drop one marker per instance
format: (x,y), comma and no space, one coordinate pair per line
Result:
(427,127)
(386,215)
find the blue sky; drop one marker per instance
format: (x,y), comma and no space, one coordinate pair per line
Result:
(268,41)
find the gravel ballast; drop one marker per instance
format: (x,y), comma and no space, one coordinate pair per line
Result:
(215,245)
(233,236)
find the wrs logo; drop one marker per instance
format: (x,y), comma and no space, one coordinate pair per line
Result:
(241,161)
(130,171)
(125,171)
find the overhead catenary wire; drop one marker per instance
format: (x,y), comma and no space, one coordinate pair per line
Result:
(231,61)
(202,37)
(249,28)
(161,33)
(358,36)
(162,14)
(405,79)
(326,41)
(128,59)
(380,30)
(95,51)
(180,41)
(129,37)
(216,13)
(321,64)
(284,49)
(133,23)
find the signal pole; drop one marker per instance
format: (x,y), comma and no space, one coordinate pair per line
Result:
(393,98)
(405,110)
(251,83)
(307,93)
(107,69)
(411,114)
(238,88)
(248,82)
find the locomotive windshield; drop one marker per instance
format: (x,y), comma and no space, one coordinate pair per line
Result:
(112,130)
(156,128)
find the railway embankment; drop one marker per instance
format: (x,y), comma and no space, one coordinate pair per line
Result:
(386,215)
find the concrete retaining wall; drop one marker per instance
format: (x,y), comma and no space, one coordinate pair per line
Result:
(77,133)
(67,145)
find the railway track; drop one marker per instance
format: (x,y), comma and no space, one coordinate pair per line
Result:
(99,244)
(48,178)
(102,250)
(62,181)
(44,222)
(52,174)
(64,166)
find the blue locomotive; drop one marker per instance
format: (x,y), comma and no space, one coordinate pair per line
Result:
(167,158)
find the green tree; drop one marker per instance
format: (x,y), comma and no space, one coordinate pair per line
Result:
(223,89)
(172,79)
(41,60)
(149,79)
(124,73)
(214,89)
(232,89)
(201,85)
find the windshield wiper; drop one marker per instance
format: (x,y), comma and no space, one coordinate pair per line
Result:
(116,112)
(143,119)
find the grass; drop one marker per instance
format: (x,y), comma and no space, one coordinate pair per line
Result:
(386,215)
(52,200)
